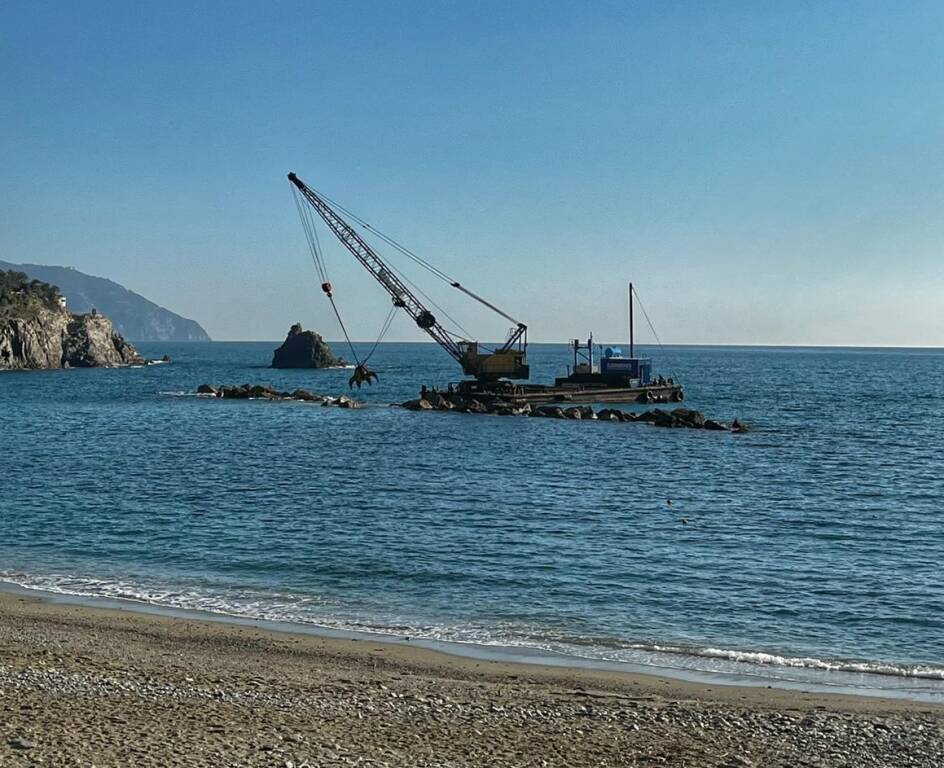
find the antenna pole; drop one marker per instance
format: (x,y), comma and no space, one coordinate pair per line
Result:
(631,350)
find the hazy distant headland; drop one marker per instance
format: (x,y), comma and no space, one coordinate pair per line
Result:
(133,316)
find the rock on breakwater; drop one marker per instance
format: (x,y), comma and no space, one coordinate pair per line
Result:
(266,392)
(678,417)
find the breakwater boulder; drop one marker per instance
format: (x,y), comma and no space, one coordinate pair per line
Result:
(420,404)
(683,418)
(266,392)
(304,349)
(615,414)
(678,417)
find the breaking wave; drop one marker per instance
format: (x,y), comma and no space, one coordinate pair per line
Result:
(760,658)
(318,612)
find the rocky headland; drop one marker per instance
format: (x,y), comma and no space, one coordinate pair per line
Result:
(304,349)
(37,331)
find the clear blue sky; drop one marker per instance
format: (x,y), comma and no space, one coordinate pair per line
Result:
(765,172)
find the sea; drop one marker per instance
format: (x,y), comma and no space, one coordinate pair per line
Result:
(806,553)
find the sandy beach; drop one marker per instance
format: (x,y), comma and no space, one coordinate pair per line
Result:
(89,686)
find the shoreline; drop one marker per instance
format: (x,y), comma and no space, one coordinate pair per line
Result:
(750,676)
(113,686)
(441,652)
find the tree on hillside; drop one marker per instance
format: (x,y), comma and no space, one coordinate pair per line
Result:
(16,289)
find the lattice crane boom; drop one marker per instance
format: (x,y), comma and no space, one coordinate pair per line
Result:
(510,360)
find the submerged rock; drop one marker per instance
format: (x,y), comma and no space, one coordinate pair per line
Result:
(207,389)
(304,349)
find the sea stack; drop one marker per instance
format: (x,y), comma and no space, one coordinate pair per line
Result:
(37,330)
(304,349)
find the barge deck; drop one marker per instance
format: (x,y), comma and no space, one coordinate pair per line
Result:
(537,394)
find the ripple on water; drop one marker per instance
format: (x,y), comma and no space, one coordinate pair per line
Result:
(815,537)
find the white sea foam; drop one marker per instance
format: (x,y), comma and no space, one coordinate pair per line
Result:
(761,658)
(319,612)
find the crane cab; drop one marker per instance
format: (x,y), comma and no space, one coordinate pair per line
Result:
(501,364)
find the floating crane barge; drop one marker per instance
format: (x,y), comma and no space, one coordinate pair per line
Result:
(493,373)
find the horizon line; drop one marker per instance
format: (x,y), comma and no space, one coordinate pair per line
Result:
(746,345)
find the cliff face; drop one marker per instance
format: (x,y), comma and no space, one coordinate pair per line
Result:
(48,338)
(90,341)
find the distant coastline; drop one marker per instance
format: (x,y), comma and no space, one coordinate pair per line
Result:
(643,345)
(134,317)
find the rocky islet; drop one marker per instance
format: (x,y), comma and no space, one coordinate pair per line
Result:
(304,349)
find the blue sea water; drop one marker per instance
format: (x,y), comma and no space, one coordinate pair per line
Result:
(808,550)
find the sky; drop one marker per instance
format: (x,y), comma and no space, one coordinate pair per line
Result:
(765,173)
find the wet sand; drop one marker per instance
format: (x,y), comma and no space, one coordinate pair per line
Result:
(92,686)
